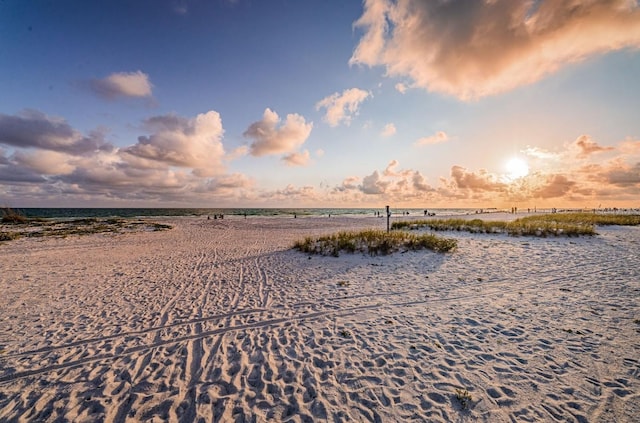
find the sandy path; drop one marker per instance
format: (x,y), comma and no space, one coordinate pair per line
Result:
(219,321)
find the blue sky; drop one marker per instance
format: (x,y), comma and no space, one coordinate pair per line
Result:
(279,103)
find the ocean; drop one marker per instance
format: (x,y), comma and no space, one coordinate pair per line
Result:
(239,212)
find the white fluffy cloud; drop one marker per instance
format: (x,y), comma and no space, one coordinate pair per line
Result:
(195,143)
(271,137)
(471,49)
(340,108)
(123,84)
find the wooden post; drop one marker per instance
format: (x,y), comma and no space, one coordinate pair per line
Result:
(388,216)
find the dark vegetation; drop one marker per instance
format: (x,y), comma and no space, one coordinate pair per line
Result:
(15,225)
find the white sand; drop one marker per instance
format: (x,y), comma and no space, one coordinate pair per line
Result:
(220,321)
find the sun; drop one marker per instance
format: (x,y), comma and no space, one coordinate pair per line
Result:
(517,168)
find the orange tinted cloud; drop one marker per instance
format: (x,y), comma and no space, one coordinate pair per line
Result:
(586,146)
(340,108)
(625,176)
(271,137)
(437,138)
(297,159)
(554,186)
(480,181)
(471,49)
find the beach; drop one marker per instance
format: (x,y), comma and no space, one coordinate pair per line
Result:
(220,320)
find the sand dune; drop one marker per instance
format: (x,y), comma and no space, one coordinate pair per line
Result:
(221,321)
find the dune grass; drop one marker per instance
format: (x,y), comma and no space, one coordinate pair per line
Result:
(37,228)
(586,218)
(11,216)
(373,242)
(543,225)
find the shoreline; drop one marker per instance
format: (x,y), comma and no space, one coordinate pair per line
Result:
(167,213)
(220,320)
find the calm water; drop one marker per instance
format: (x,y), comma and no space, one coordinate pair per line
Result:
(164,212)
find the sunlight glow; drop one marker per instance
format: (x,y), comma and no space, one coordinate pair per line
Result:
(517,168)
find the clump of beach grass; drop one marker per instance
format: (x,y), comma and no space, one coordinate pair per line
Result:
(9,236)
(602,219)
(36,228)
(555,224)
(373,242)
(12,216)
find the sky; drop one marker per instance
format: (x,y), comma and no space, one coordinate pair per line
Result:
(320,103)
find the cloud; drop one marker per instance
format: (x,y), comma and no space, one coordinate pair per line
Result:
(183,142)
(392,183)
(178,163)
(391,170)
(15,174)
(617,172)
(45,162)
(297,159)
(540,153)
(349,183)
(238,152)
(34,129)
(555,186)
(480,181)
(437,138)
(471,49)
(291,196)
(181,7)
(420,182)
(630,146)
(625,176)
(340,108)
(123,84)
(374,184)
(226,184)
(586,147)
(401,88)
(271,138)
(388,130)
